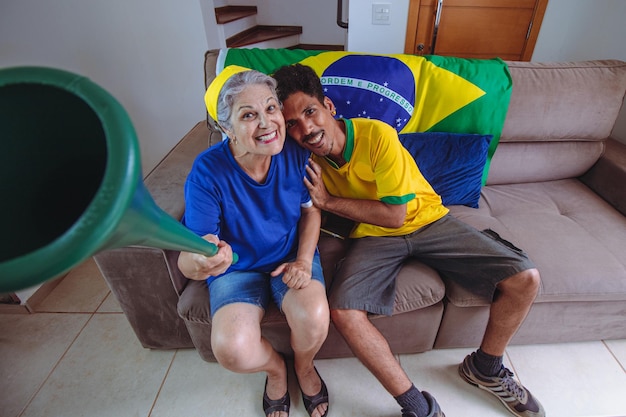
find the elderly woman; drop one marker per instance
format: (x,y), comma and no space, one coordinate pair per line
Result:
(247,196)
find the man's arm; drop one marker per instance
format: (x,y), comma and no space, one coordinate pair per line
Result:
(362,211)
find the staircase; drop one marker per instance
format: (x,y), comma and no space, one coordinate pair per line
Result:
(239,27)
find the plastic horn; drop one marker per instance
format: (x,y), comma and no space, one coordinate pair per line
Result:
(71,179)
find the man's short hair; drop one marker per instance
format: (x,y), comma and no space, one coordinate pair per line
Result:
(298,77)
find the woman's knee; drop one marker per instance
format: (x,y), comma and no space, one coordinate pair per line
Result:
(307,307)
(235,334)
(312,320)
(232,350)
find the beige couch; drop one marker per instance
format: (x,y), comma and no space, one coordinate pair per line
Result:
(555,188)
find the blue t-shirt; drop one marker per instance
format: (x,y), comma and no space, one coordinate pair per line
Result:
(259,221)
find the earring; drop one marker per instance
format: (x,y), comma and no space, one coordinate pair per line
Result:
(333,112)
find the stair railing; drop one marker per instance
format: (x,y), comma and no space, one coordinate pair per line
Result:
(340,21)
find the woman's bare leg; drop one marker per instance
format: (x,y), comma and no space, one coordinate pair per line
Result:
(308,316)
(239,347)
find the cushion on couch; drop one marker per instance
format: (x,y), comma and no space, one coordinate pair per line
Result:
(453,163)
(566,229)
(418,306)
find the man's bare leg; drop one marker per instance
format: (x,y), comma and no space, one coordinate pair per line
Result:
(484,368)
(372,349)
(514,298)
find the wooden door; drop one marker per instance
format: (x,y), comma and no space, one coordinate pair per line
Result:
(474,28)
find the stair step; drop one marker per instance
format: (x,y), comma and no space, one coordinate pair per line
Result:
(260,34)
(227,14)
(317,47)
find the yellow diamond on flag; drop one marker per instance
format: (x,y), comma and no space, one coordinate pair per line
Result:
(438,92)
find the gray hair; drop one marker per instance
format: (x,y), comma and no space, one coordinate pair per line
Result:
(233,87)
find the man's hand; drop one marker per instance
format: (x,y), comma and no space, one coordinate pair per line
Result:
(316,187)
(199,267)
(359,210)
(297,274)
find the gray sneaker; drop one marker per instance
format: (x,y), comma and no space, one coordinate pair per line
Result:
(517,399)
(435,411)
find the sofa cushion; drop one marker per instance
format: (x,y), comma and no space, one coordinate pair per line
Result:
(418,286)
(522,162)
(559,114)
(452,163)
(574,237)
(564,100)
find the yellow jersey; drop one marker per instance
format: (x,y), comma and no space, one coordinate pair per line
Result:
(379,168)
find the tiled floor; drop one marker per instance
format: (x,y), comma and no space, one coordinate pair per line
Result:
(79,357)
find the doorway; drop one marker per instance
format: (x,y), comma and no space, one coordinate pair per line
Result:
(507,29)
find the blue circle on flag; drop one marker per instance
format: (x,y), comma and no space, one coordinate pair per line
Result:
(369,86)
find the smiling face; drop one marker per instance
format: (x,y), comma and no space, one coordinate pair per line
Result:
(257,124)
(312,125)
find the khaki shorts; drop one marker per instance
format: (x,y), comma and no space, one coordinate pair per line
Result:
(476,260)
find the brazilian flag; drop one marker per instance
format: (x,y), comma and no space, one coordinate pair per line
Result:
(412,93)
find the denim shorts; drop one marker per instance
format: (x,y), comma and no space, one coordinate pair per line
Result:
(476,260)
(254,287)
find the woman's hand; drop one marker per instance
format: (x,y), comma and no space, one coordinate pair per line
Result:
(199,267)
(297,274)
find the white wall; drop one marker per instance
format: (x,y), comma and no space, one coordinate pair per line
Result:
(577,30)
(363,36)
(318,18)
(147,53)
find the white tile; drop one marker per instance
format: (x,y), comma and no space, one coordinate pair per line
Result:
(81,291)
(197,388)
(618,349)
(105,373)
(110,305)
(436,372)
(30,347)
(572,379)
(354,391)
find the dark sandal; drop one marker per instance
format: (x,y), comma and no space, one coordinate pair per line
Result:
(272,406)
(311,402)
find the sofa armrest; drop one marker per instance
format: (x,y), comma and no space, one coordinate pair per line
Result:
(139,279)
(167,180)
(608,176)
(146,281)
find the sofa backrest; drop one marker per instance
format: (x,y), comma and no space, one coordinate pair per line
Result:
(564,101)
(558,119)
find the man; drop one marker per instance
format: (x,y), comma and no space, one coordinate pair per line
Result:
(359,170)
